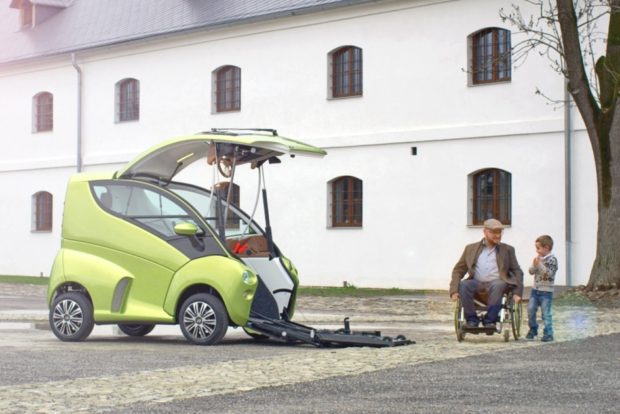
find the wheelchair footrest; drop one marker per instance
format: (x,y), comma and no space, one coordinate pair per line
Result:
(480,329)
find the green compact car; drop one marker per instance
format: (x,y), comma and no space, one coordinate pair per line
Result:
(139,248)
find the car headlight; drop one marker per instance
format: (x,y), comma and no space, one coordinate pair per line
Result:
(248,277)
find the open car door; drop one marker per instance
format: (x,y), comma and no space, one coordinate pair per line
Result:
(226,150)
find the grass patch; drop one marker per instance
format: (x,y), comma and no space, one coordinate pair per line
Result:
(572,299)
(26,280)
(353,291)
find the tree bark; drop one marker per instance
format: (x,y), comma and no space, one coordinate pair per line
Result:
(606,267)
(603,126)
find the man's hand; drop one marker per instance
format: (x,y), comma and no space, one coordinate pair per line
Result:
(516,298)
(454,297)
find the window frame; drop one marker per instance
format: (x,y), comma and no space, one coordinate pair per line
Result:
(232,220)
(26,14)
(352,69)
(500,54)
(142,219)
(227,91)
(43,112)
(500,199)
(351,201)
(127,105)
(42,212)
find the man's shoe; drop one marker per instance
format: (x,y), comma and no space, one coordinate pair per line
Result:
(531,335)
(547,338)
(471,324)
(490,325)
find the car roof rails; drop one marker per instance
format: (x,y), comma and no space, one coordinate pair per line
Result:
(240,131)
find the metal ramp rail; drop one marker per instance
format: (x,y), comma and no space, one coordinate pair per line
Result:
(293,332)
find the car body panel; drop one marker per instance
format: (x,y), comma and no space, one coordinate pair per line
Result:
(86,221)
(167,159)
(220,273)
(100,270)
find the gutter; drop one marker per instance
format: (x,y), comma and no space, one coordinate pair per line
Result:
(568,212)
(79,113)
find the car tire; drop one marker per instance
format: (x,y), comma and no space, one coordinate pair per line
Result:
(135,329)
(203,319)
(71,317)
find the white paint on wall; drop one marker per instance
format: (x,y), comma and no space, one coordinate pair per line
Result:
(415,94)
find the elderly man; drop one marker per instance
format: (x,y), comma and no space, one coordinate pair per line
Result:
(492,266)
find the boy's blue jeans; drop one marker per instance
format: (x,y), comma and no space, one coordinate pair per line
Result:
(543,300)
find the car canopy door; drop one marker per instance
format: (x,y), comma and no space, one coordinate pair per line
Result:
(162,162)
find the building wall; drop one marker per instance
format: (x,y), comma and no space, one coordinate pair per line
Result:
(416,93)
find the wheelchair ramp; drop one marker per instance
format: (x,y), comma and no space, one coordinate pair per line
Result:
(292,332)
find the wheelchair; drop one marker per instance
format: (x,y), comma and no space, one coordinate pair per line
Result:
(509,319)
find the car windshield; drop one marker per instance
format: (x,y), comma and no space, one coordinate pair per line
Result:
(237,223)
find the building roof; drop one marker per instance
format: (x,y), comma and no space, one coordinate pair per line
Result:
(84,24)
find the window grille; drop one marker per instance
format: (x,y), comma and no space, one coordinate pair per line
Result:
(347,202)
(347,73)
(228,89)
(43,108)
(491,56)
(492,196)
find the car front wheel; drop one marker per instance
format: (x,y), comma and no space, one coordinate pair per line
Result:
(203,319)
(71,317)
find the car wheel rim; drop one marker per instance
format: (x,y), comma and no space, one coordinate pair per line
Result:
(199,320)
(68,317)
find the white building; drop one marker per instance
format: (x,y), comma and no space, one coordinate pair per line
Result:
(397,92)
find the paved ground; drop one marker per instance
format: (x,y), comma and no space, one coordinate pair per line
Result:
(162,373)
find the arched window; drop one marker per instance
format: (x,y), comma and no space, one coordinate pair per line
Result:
(346,202)
(227,89)
(490,56)
(346,72)
(43,112)
(42,209)
(491,191)
(127,100)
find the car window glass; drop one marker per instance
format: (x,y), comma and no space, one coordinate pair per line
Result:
(148,207)
(201,201)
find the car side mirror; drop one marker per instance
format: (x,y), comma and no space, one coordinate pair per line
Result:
(186,229)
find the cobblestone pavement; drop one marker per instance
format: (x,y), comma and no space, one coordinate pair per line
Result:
(42,374)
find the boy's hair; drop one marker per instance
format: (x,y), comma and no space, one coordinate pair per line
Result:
(545,241)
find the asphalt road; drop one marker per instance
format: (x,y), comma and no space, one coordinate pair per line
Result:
(570,377)
(580,376)
(162,373)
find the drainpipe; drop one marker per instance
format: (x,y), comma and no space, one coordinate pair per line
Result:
(568,127)
(79,112)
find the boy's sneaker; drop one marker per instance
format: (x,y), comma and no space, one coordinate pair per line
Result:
(531,335)
(547,338)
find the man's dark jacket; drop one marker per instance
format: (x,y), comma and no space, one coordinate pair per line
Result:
(507,265)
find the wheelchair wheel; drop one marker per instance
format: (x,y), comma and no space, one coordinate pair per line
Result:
(458,321)
(517,314)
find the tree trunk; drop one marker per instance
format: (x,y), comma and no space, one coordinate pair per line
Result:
(606,267)
(602,120)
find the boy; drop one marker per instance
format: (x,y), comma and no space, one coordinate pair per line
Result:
(543,268)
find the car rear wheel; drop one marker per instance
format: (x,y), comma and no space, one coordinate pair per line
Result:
(71,317)
(135,329)
(203,319)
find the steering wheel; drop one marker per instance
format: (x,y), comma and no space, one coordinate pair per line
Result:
(224,165)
